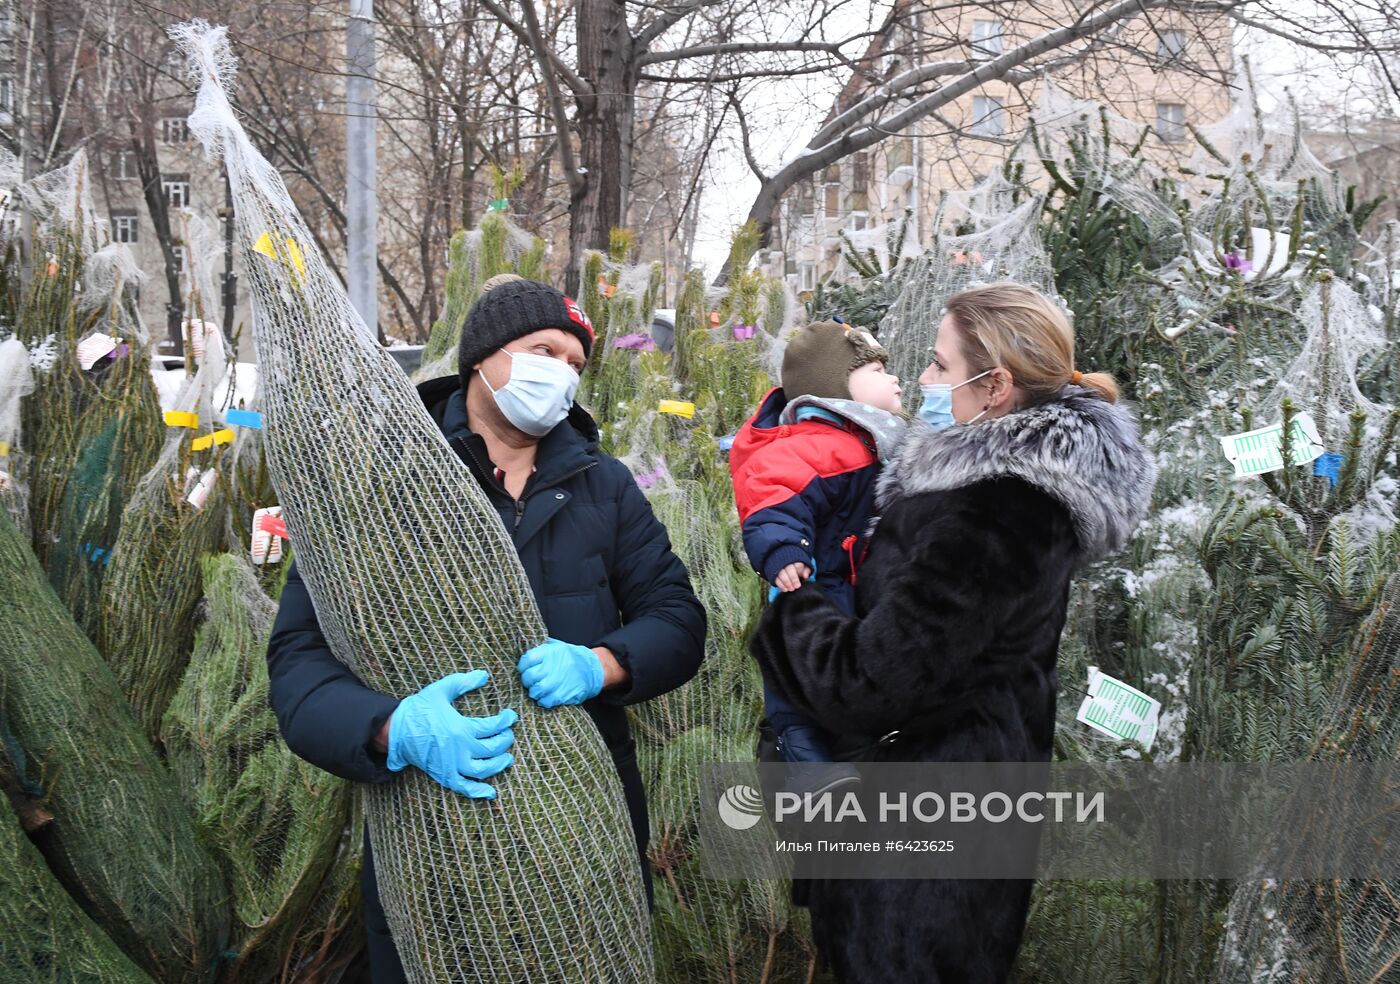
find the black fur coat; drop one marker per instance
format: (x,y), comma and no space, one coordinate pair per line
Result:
(961,601)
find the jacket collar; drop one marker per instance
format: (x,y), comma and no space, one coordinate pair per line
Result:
(571,445)
(1076,447)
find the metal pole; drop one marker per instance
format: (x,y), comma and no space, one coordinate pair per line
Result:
(361,204)
(230,280)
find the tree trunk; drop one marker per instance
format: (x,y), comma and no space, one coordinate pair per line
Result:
(607,59)
(143,144)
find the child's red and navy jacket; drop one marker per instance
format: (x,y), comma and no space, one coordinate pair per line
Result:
(806,488)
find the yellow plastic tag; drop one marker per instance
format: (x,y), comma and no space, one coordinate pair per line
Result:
(265,246)
(202,443)
(680,409)
(224,436)
(4,449)
(181,418)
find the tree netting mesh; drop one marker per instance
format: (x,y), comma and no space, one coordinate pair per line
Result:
(474,256)
(275,820)
(414,577)
(121,840)
(998,245)
(174,517)
(1344,929)
(45,937)
(16,382)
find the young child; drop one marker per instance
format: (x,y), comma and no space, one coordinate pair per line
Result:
(804,469)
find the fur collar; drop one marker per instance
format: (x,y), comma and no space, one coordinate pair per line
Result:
(1079,449)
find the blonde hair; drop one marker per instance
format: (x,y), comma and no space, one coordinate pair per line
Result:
(1013,327)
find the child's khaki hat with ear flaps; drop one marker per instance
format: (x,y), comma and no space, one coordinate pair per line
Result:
(820,357)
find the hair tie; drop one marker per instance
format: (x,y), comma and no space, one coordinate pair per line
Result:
(1075,376)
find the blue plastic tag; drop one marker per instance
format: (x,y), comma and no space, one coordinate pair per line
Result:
(244,418)
(1328,466)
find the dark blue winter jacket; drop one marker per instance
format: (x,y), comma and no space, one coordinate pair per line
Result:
(603,574)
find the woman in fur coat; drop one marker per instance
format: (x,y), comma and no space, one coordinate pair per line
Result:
(960,604)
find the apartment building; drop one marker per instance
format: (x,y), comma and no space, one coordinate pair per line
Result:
(1164,74)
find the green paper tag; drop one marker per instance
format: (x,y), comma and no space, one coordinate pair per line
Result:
(1258,451)
(499,205)
(1118,710)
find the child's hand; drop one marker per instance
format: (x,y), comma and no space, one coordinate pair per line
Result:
(790,578)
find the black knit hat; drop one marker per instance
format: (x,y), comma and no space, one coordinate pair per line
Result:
(512,310)
(820,357)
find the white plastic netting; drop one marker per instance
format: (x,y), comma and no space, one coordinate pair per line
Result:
(16,382)
(413,578)
(59,203)
(1001,246)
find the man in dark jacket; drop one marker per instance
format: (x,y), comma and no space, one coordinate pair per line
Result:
(624,624)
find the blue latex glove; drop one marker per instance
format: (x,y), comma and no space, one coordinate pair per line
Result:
(558,673)
(427,731)
(774,591)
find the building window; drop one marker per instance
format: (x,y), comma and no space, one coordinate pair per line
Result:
(124,165)
(175,129)
(807,276)
(831,177)
(1171,122)
(988,116)
(125,228)
(806,196)
(860,172)
(987,38)
(177,190)
(1171,47)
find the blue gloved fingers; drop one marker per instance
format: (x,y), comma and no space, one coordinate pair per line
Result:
(531,657)
(466,787)
(484,727)
(484,768)
(492,745)
(533,673)
(455,685)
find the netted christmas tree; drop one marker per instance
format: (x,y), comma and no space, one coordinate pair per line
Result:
(275,821)
(121,840)
(175,516)
(414,577)
(45,937)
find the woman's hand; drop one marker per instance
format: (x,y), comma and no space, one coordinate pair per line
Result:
(790,578)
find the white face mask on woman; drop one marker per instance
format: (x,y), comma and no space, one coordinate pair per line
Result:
(538,394)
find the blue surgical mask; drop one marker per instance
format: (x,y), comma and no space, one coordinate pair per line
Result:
(538,394)
(937,408)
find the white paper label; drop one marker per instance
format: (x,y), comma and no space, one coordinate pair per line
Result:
(94,347)
(1118,710)
(266,547)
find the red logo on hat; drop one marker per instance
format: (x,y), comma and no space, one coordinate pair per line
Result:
(578,317)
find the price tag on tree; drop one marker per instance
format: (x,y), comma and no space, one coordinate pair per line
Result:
(1259,451)
(268,532)
(1118,710)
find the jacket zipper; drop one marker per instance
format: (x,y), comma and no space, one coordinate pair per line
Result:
(520,503)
